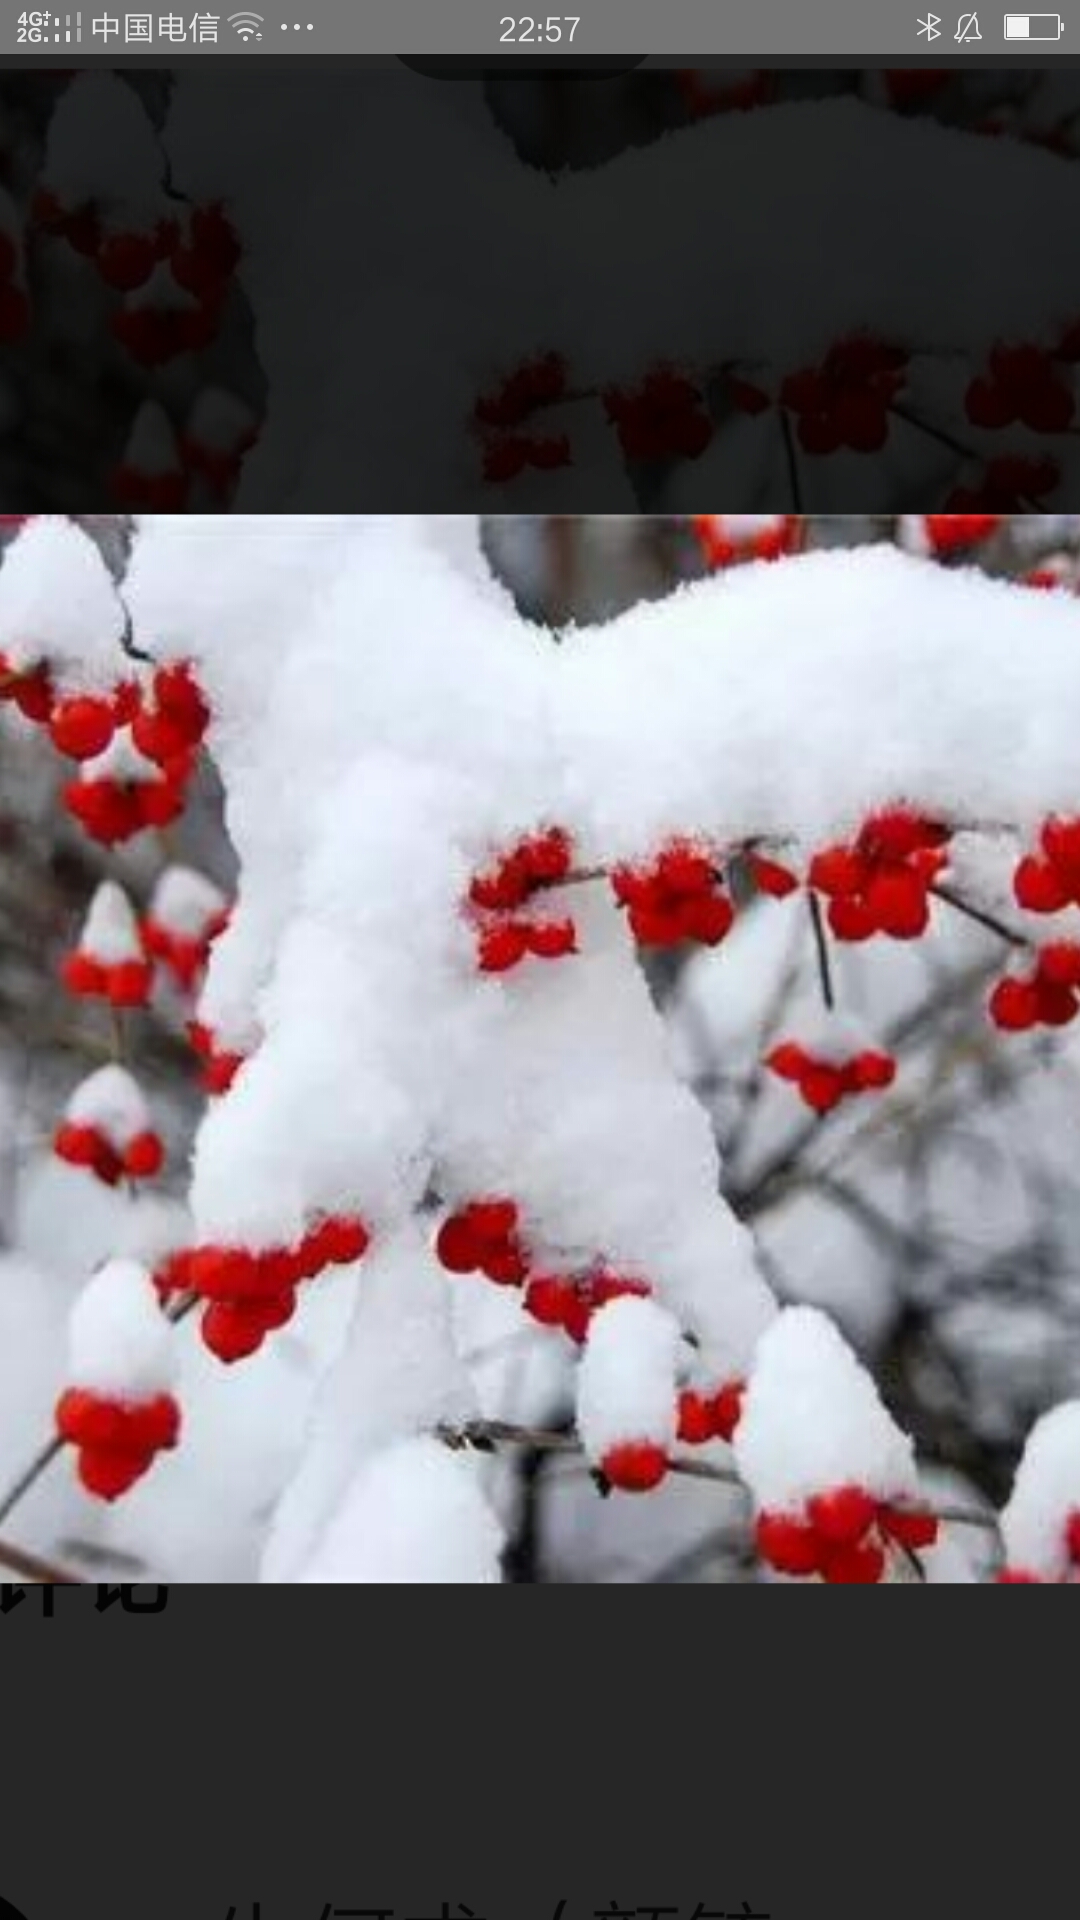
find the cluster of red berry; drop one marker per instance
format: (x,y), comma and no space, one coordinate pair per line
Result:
(483,1237)
(823,1083)
(126,983)
(845,400)
(1048,881)
(116,1440)
(1048,996)
(1021,385)
(725,538)
(507,935)
(678,896)
(145,784)
(250,1293)
(710,1416)
(880,882)
(842,1535)
(665,418)
(535,384)
(569,1300)
(179,269)
(83,1143)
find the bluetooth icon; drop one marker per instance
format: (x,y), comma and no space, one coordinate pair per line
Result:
(931,26)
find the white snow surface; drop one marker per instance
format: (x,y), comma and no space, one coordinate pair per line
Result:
(414,1514)
(110,932)
(112,1101)
(119,1341)
(1045,1492)
(627,1381)
(59,605)
(813,1420)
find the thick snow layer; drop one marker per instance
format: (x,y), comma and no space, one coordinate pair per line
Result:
(1046,1492)
(627,1383)
(398,1375)
(414,1514)
(118,1338)
(110,932)
(112,1101)
(59,604)
(813,1420)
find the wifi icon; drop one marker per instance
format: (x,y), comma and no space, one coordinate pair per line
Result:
(247,25)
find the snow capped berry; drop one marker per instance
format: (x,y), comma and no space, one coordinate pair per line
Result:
(106,1129)
(117,1410)
(725,538)
(186,914)
(220,1066)
(569,1300)
(173,719)
(679,896)
(825,1463)
(159,320)
(252,1292)
(1040,1525)
(536,864)
(150,474)
(627,1392)
(61,625)
(108,960)
(220,429)
(121,793)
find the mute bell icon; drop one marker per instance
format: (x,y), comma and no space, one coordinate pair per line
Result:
(968,27)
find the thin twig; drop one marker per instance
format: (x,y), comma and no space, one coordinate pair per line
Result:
(979,914)
(28,1566)
(486,1434)
(821,944)
(30,1476)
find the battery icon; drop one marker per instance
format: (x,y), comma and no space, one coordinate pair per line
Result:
(1034,26)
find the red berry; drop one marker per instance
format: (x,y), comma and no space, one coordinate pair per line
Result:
(553,939)
(343,1240)
(843,1515)
(685,872)
(547,1297)
(126,260)
(457,1245)
(787,1544)
(853,1565)
(849,919)
(1014,1005)
(1061,841)
(78,1145)
(33,695)
(1039,886)
(1016,1577)
(144,1156)
(1072,1537)
(636,1466)
(503,947)
(872,1069)
(1059,963)
(506,1265)
(725,1409)
(230,1332)
(896,902)
(695,1418)
(492,1220)
(822,1087)
(788,1061)
(913,1527)
(770,877)
(707,919)
(128,983)
(107,1475)
(83,975)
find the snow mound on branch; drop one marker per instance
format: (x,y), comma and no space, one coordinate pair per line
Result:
(118,1338)
(185,902)
(110,932)
(398,1375)
(1045,1493)
(813,1420)
(627,1382)
(792,699)
(59,605)
(415,1514)
(112,1101)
